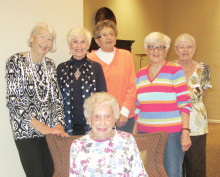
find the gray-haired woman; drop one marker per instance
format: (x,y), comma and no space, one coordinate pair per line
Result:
(198,81)
(34,101)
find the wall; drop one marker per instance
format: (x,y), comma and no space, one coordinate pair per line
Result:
(201,19)
(135,19)
(17,19)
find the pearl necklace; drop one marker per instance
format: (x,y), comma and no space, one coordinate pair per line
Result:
(40,82)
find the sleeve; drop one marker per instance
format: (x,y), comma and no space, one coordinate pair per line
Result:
(14,83)
(137,167)
(129,100)
(181,90)
(100,78)
(59,75)
(137,110)
(73,165)
(205,78)
(56,100)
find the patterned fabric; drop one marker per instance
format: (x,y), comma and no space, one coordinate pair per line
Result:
(118,156)
(25,102)
(75,92)
(197,84)
(161,100)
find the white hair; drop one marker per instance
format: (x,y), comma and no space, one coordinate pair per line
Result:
(155,37)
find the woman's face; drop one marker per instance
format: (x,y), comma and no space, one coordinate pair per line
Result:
(156,52)
(107,39)
(42,42)
(79,46)
(102,121)
(185,49)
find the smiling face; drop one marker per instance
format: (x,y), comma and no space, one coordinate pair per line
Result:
(102,121)
(107,39)
(79,46)
(158,53)
(185,49)
(41,43)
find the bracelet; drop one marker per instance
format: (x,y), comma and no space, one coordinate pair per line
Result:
(186,129)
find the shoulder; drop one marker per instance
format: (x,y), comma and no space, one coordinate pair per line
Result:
(142,71)
(173,68)
(123,135)
(62,65)
(123,52)
(202,66)
(16,57)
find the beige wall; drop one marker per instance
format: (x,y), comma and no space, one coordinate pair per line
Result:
(137,18)
(201,18)
(17,17)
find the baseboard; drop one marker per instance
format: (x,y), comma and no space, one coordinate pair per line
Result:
(213,121)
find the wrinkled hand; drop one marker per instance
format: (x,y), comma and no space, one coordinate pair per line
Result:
(121,121)
(185,140)
(135,130)
(59,130)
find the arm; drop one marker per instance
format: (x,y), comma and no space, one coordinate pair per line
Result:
(15,76)
(100,78)
(184,104)
(130,96)
(57,106)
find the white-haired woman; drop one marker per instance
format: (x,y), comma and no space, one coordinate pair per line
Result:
(34,101)
(104,151)
(163,102)
(78,78)
(198,81)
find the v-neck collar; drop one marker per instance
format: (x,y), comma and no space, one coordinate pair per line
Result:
(151,80)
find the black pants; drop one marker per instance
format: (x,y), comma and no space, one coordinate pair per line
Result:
(194,164)
(35,157)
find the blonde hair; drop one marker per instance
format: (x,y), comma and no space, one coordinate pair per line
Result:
(49,28)
(101,98)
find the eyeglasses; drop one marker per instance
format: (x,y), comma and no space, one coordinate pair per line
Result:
(188,47)
(106,35)
(159,48)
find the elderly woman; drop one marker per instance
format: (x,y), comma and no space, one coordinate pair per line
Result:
(104,151)
(198,80)
(34,101)
(163,102)
(78,78)
(118,67)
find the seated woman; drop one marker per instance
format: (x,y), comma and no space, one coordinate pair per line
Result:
(104,151)
(78,78)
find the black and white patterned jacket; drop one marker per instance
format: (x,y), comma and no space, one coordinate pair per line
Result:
(22,99)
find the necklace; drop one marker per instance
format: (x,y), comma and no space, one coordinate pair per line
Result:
(41,84)
(77,73)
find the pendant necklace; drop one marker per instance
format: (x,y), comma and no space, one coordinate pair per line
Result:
(77,73)
(40,82)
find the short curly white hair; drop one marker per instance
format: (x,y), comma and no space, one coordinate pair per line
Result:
(101,98)
(155,37)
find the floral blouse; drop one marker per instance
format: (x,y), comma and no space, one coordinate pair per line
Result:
(118,156)
(32,92)
(197,84)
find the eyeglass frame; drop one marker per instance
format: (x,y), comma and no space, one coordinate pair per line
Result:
(103,36)
(159,48)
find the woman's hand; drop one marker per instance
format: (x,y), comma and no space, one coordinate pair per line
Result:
(59,130)
(135,131)
(185,140)
(121,121)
